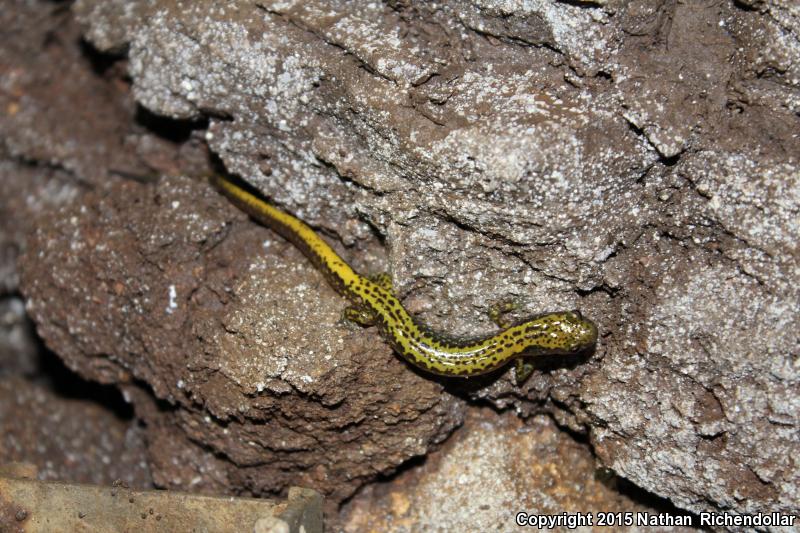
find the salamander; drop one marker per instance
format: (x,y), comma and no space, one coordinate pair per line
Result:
(374,302)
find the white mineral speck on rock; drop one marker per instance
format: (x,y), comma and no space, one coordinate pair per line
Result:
(172,305)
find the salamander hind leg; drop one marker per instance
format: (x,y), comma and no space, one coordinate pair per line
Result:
(498,312)
(359,316)
(522,370)
(382,280)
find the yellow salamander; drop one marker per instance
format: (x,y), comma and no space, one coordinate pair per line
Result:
(374,303)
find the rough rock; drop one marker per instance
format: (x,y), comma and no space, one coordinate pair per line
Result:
(494,467)
(45,77)
(172,287)
(634,159)
(24,192)
(68,122)
(70,440)
(19,347)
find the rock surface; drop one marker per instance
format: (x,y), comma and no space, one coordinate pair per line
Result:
(637,160)
(67,122)
(493,468)
(171,286)
(68,439)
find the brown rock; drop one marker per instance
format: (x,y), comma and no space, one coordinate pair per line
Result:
(71,440)
(634,159)
(493,468)
(240,337)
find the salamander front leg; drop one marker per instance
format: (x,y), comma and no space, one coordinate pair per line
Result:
(522,370)
(359,316)
(382,280)
(498,312)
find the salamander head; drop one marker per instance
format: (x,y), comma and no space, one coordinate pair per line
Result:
(558,333)
(582,333)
